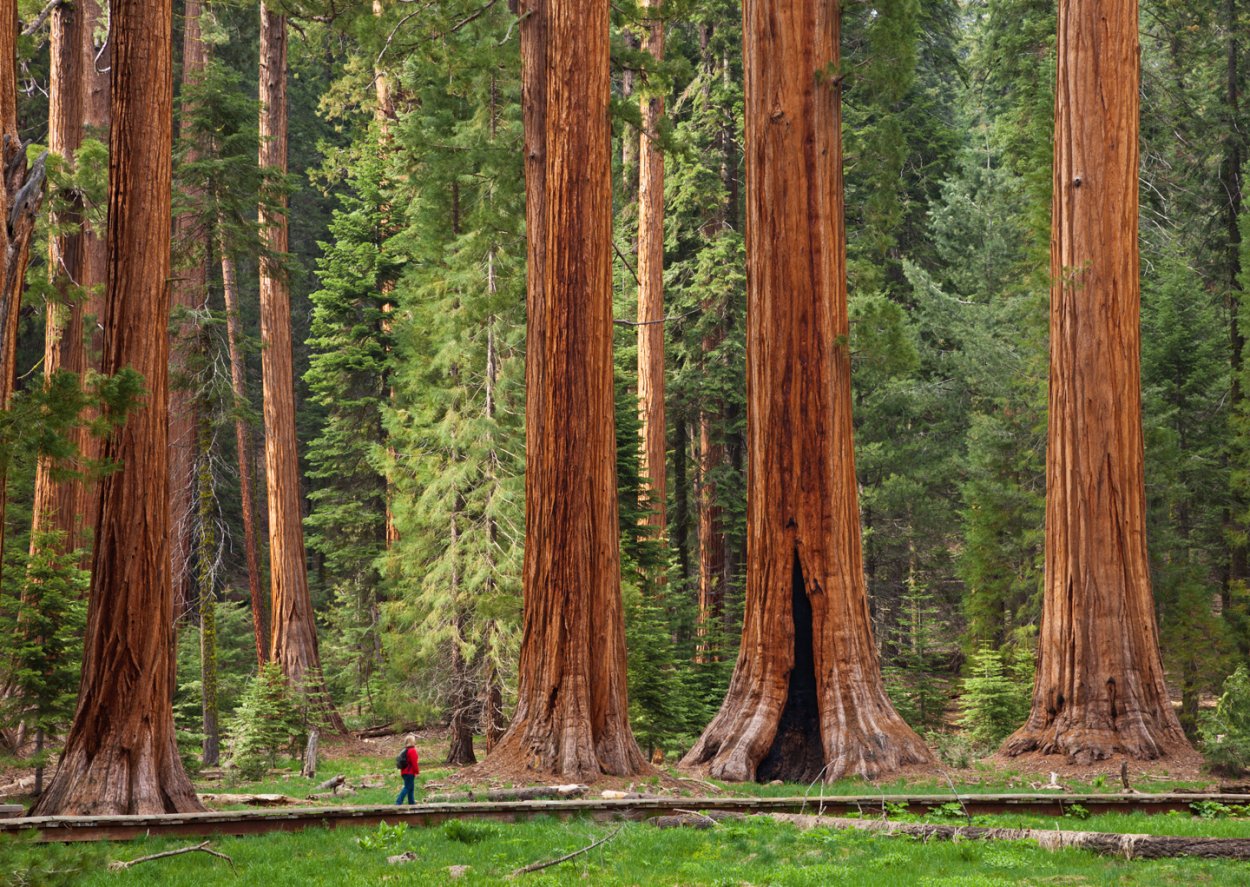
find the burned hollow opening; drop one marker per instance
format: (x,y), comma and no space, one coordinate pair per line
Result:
(797,754)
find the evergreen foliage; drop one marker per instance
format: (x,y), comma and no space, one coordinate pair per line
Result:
(997,695)
(347,378)
(1226,731)
(43,613)
(266,724)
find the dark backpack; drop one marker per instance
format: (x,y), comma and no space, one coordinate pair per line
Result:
(401,760)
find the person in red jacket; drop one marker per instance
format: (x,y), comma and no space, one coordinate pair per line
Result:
(412,766)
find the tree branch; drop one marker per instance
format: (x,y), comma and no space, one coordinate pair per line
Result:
(120,865)
(536,866)
(41,18)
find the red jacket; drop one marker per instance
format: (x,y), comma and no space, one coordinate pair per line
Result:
(414,763)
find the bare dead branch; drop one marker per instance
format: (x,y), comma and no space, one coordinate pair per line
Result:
(122,864)
(41,18)
(536,866)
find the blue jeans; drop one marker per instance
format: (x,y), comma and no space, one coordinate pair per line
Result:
(409,780)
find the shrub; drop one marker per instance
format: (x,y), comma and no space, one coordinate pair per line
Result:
(1226,731)
(266,724)
(996,696)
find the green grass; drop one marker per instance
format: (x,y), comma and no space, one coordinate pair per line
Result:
(757,852)
(992,781)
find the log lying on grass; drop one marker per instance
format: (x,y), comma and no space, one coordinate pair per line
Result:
(693,819)
(533,793)
(333,783)
(1103,843)
(250,800)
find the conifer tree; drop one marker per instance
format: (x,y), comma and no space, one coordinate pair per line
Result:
(455,424)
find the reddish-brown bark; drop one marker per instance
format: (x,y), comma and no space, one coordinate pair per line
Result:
(21,192)
(120,755)
(293,631)
(651,288)
(1100,686)
(61,504)
(189,290)
(243,444)
(572,712)
(806,699)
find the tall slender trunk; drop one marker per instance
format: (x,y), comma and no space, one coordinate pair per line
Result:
(206,557)
(121,756)
(461,748)
(243,443)
(492,722)
(1100,687)
(712,556)
(806,700)
(629,140)
(60,504)
(1230,182)
(384,114)
(293,631)
(572,713)
(21,192)
(651,288)
(94,247)
(190,290)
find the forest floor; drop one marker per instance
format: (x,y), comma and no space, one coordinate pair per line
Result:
(757,850)
(370,763)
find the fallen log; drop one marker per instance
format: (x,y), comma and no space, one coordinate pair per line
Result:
(250,800)
(1103,843)
(533,793)
(379,730)
(693,819)
(20,787)
(332,783)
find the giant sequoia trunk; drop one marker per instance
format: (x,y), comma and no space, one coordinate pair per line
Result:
(651,287)
(806,699)
(120,756)
(189,289)
(572,714)
(293,640)
(1099,689)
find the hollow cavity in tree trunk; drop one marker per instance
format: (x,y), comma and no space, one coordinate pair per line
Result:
(796,754)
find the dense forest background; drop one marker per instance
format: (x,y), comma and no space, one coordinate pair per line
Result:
(407,273)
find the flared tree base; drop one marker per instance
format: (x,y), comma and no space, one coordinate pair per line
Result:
(1070,735)
(795,754)
(531,750)
(771,724)
(118,781)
